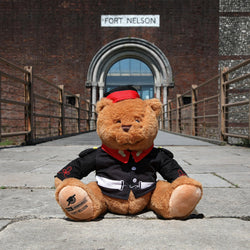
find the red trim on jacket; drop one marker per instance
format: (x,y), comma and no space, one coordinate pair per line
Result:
(123,155)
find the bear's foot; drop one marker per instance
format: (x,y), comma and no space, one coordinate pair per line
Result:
(177,199)
(183,200)
(76,203)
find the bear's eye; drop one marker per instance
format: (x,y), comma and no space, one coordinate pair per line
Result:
(117,121)
(137,120)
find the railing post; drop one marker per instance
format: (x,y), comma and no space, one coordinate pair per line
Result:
(178,114)
(29,109)
(93,117)
(169,116)
(78,106)
(161,119)
(62,110)
(223,100)
(0,108)
(194,110)
(87,114)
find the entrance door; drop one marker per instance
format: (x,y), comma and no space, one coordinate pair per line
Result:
(133,72)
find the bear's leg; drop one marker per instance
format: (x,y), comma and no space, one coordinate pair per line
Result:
(177,199)
(79,201)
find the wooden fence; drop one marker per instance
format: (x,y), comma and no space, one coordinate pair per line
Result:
(33,109)
(217,109)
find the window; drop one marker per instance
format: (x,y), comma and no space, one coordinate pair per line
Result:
(186,100)
(71,100)
(133,72)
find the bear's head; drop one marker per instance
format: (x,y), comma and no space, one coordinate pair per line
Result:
(125,121)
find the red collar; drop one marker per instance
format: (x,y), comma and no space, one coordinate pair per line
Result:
(123,155)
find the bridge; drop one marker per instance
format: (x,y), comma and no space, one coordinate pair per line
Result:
(31,219)
(34,109)
(29,215)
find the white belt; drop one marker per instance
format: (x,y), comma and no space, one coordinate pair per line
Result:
(119,185)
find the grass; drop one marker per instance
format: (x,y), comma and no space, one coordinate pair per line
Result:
(6,143)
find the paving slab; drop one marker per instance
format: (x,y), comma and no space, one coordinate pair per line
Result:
(27,180)
(211,180)
(225,202)
(127,234)
(209,156)
(82,139)
(168,139)
(29,203)
(40,203)
(31,219)
(241,179)
(218,168)
(33,180)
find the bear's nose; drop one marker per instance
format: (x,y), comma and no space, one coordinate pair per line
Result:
(126,128)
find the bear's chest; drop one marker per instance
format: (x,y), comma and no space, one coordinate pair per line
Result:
(117,179)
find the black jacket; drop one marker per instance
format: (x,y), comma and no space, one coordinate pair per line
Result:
(116,178)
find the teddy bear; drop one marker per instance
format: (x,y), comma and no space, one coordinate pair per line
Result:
(126,166)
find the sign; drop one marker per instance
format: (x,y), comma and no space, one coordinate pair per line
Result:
(130,21)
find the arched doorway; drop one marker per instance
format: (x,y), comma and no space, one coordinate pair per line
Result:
(133,48)
(130,71)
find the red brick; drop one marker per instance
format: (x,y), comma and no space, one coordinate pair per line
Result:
(60,38)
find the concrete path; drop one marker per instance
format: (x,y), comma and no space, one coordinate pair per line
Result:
(162,139)
(31,219)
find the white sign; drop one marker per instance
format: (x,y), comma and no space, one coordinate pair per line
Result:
(130,21)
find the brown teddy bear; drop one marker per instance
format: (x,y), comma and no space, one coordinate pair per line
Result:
(126,166)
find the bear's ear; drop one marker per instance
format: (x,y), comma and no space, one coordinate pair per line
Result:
(156,105)
(102,103)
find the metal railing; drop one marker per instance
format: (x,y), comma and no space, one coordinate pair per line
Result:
(33,109)
(217,109)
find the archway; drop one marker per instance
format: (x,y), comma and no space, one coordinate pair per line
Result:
(135,48)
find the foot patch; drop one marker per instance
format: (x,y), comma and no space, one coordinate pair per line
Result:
(76,202)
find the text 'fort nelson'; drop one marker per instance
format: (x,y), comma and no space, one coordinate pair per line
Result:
(130,21)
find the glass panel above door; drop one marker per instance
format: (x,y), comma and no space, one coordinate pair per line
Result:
(133,72)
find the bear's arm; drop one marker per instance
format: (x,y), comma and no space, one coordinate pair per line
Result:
(79,167)
(169,168)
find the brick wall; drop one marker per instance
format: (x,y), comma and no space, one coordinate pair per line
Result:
(59,38)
